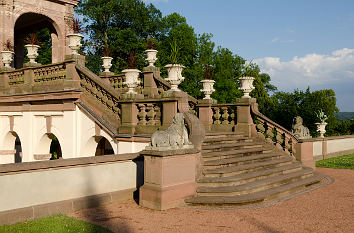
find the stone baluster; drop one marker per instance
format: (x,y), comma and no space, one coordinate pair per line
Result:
(279,139)
(141,114)
(150,114)
(232,115)
(270,133)
(225,116)
(157,111)
(287,143)
(216,116)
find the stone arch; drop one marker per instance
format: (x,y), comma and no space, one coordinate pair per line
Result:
(97,145)
(30,22)
(12,142)
(46,147)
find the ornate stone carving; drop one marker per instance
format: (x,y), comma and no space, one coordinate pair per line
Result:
(175,137)
(300,131)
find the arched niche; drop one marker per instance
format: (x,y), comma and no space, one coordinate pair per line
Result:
(32,22)
(12,142)
(104,147)
(49,147)
(96,146)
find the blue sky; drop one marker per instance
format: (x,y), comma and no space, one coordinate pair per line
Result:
(299,43)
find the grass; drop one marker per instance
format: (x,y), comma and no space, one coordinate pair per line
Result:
(341,162)
(55,224)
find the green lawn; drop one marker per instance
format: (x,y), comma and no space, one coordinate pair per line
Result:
(55,224)
(341,162)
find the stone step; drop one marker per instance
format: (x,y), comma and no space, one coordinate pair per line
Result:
(248,177)
(255,197)
(241,160)
(257,185)
(234,170)
(228,146)
(230,153)
(226,139)
(222,134)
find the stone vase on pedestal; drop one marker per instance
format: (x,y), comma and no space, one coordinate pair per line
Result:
(174,76)
(107,63)
(131,79)
(208,88)
(321,128)
(32,52)
(7,58)
(75,42)
(151,56)
(246,86)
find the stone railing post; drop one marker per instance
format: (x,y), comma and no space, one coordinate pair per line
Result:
(72,77)
(28,76)
(4,80)
(169,110)
(244,119)
(129,118)
(205,112)
(150,87)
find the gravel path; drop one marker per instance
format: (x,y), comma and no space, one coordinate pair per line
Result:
(327,209)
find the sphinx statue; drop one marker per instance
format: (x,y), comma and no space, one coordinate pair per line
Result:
(299,130)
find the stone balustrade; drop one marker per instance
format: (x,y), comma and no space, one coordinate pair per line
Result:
(273,133)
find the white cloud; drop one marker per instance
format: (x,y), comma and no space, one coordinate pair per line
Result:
(319,71)
(275,39)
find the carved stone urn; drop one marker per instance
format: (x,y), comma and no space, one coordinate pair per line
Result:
(174,76)
(151,56)
(131,79)
(75,42)
(208,88)
(321,128)
(7,58)
(107,63)
(32,52)
(246,86)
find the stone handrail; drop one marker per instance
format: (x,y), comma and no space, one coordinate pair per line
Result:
(97,89)
(279,136)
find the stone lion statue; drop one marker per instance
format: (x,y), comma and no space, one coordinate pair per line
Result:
(300,131)
(175,137)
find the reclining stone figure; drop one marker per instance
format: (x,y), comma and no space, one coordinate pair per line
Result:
(300,131)
(175,137)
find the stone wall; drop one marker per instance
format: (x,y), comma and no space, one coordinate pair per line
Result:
(63,186)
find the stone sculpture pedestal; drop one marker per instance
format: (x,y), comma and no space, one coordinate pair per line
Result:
(169,177)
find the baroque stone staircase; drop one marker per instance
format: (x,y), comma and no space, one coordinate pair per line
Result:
(239,170)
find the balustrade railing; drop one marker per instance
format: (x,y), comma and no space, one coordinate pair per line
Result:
(224,114)
(16,78)
(149,114)
(274,133)
(95,88)
(49,73)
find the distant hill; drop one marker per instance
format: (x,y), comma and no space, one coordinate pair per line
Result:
(343,116)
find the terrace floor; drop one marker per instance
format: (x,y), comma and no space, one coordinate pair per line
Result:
(327,209)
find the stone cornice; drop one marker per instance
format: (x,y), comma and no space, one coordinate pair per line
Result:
(72,2)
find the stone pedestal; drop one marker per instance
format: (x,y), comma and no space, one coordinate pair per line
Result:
(206,113)
(244,118)
(79,59)
(304,153)
(150,87)
(169,177)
